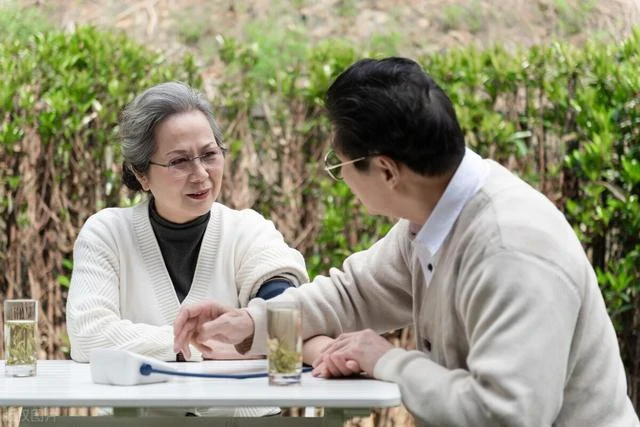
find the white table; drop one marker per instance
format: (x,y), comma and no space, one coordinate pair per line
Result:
(68,384)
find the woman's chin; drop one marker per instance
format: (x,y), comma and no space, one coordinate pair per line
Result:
(202,207)
(192,209)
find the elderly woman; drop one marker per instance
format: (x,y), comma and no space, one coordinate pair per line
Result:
(134,267)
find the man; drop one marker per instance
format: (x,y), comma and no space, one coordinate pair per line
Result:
(511,327)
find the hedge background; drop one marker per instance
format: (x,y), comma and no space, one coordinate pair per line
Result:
(566,119)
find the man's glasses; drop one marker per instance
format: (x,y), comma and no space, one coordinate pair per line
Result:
(183,166)
(333,165)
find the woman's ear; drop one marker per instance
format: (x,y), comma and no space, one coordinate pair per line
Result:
(389,168)
(142,179)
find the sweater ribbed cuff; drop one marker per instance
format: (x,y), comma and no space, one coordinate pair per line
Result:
(386,367)
(257,309)
(395,362)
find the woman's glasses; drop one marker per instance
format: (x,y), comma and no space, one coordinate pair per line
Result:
(183,166)
(333,165)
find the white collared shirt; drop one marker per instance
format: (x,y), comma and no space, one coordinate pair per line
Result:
(465,183)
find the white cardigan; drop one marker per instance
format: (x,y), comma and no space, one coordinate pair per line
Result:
(121,294)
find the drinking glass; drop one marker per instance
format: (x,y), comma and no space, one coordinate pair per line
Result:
(20,346)
(284,342)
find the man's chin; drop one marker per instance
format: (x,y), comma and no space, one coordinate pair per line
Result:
(372,211)
(376,212)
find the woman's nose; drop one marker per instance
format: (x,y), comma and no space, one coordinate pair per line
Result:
(199,171)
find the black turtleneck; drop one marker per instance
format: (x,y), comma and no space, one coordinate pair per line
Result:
(180,246)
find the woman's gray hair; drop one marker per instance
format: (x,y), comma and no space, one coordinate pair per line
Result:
(140,118)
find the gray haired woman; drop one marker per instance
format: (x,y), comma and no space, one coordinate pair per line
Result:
(135,267)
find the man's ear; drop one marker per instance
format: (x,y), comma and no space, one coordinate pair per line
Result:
(389,168)
(142,179)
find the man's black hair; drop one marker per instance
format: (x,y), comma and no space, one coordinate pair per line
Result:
(392,107)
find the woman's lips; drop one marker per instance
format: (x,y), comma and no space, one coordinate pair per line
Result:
(199,195)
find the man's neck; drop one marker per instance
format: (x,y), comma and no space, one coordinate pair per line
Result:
(420,195)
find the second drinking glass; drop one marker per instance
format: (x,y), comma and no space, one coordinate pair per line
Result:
(284,342)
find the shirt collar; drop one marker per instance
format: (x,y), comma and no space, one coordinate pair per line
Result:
(465,183)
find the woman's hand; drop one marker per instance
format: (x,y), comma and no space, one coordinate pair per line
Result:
(208,320)
(216,350)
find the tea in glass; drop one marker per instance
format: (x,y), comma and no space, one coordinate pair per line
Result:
(20,345)
(284,342)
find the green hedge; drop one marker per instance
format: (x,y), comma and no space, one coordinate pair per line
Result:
(59,99)
(566,119)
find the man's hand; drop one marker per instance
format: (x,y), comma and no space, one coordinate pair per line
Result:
(351,353)
(208,320)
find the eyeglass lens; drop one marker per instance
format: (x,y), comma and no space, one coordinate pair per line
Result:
(185,165)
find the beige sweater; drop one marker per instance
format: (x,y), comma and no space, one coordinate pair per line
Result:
(511,330)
